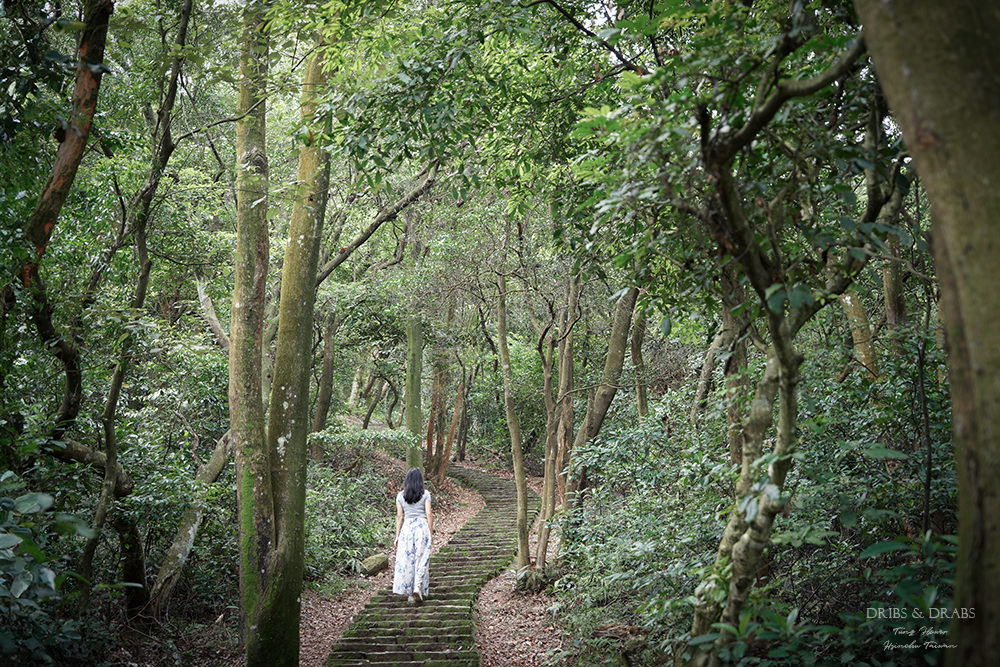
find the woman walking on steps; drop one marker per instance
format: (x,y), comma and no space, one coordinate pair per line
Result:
(414,525)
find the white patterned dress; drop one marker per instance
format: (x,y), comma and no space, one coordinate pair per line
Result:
(413,548)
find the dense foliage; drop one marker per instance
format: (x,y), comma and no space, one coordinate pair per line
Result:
(675,252)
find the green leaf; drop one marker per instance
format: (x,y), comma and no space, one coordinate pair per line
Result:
(33,502)
(20,584)
(666,325)
(7,540)
(704,639)
(793,616)
(775,295)
(883,548)
(883,452)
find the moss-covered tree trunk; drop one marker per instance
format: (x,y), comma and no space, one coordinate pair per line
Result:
(940,69)
(246,407)
(288,418)
(271,464)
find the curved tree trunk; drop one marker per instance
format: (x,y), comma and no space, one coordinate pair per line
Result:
(187,529)
(606,390)
(41,223)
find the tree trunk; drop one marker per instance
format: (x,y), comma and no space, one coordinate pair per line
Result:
(326,377)
(209,314)
(133,565)
(352,399)
(547,348)
(721,341)
(514,427)
(430,458)
(445,456)
(39,226)
(414,366)
(638,334)
(861,333)
(564,436)
(246,406)
(139,213)
(605,392)
(944,96)
(187,529)
(277,600)
(892,289)
(374,404)
(737,383)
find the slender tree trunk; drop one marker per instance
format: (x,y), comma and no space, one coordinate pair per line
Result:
(326,377)
(414,366)
(136,599)
(352,399)
(606,390)
(547,354)
(514,427)
(638,334)
(944,96)
(861,333)
(138,220)
(721,341)
(737,383)
(376,398)
(430,459)
(564,436)
(187,529)
(445,457)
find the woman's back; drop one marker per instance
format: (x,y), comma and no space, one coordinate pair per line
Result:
(415,510)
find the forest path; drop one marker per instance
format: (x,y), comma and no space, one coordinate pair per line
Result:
(388,631)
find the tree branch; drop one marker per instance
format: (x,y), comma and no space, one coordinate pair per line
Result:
(638,69)
(385,215)
(784,91)
(208,312)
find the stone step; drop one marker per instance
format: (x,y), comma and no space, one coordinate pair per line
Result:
(439,632)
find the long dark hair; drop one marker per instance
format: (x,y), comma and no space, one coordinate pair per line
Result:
(413,486)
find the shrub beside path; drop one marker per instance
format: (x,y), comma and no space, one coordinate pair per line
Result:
(388,631)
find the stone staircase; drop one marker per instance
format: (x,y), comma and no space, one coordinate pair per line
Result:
(388,631)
